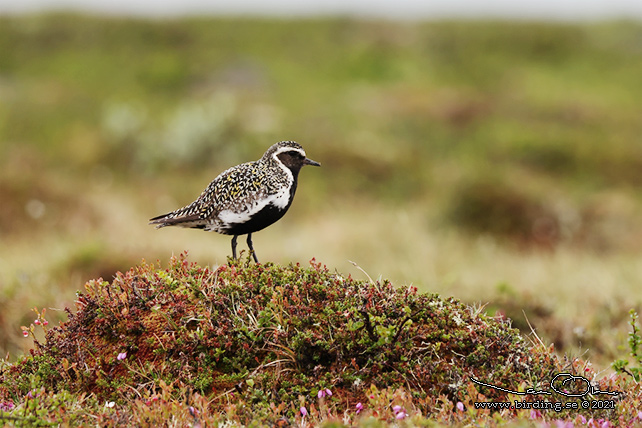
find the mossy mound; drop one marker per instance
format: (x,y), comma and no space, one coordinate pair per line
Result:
(268,338)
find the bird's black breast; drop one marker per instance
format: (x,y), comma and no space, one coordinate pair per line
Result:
(262,219)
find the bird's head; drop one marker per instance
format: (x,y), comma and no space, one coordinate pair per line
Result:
(290,154)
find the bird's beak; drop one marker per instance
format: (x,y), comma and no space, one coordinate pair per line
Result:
(311,162)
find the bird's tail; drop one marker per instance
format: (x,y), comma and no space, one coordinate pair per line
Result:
(177,218)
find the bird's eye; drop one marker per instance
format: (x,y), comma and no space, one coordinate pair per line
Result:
(295,154)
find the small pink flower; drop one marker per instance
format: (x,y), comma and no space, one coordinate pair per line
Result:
(121,356)
(37,322)
(460,406)
(25,333)
(45,322)
(324,393)
(582,419)
(640,415)
(7,406)
(400,413)
(359,407)
(535,414)
(304,411)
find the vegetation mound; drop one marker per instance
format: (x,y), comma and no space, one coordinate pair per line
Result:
(248,342)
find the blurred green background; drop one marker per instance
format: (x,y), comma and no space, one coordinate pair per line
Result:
(497,162)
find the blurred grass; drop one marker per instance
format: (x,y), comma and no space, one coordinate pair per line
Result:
(456,155)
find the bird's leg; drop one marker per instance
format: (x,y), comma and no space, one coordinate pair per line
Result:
(249,245)
(234,247)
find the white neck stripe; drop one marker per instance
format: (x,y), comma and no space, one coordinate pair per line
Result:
(283,167)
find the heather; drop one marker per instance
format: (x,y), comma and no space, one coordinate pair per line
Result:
(248,343)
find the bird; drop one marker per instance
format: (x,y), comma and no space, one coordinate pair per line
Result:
(245,198)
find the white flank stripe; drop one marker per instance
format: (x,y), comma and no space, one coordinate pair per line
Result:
(279,200)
